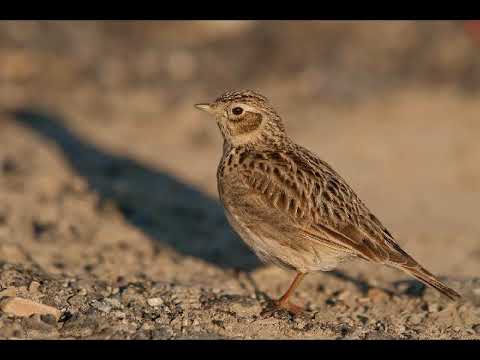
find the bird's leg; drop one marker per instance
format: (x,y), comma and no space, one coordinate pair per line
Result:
(283,302)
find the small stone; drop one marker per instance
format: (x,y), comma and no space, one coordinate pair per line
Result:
(155,301)
(476,328)
(115,303)
(48,319)
(8,292)
(176,300)
(416,319)
(82,292)
(99,305)
(119,315)
(35,323)
(363,319)
(434,307)
(142,335)
(33,287)
(300,323)
(77,300)
(343,329)
(161,333)
(148,325)
(377,295)
(24,307)
(343,295)
(364,300)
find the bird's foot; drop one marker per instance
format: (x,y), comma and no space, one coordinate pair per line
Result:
(282,305)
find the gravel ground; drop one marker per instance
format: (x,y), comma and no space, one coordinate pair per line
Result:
(110,225)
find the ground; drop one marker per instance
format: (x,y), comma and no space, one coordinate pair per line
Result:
(109,215)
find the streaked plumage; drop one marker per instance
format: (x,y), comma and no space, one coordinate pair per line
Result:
(292,208)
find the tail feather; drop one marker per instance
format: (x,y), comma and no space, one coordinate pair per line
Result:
(429,279)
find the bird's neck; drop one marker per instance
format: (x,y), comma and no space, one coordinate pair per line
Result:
(262,144)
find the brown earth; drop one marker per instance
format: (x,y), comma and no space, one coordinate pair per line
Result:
(108,207)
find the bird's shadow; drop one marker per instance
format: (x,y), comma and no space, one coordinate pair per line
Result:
(166,209)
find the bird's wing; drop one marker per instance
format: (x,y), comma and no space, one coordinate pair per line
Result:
(320,203)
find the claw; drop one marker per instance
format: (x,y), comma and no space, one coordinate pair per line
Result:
(279,305)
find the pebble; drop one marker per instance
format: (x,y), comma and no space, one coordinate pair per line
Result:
(148,325)
(119,315)
(416,319)
(48,319)
(300,323)
(76,300)
(155,301)
(141,335)
(343,295)
(115,303)
(33,287)
(434,307)
(363,319)
(8,292)
(476,328)
(99,305)
(35,326)
(82,292)
(377,295)
(24,307)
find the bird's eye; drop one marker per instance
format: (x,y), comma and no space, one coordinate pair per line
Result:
(237,110)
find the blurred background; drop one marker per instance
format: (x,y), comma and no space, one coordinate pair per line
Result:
(108,170)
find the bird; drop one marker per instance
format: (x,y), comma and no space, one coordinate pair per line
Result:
(289,206)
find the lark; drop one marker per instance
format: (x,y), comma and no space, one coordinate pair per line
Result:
(289,206)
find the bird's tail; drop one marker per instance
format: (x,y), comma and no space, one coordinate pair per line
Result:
(429,279)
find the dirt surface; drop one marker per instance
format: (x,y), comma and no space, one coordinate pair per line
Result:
(108,205)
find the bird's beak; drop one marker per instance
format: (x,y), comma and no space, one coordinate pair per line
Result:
(205,107)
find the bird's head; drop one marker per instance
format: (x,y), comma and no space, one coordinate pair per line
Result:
(245,117)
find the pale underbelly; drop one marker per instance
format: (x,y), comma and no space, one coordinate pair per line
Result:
(270,250)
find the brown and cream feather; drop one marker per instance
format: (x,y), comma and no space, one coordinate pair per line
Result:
(291,207)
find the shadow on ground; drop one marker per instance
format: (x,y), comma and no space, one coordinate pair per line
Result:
(164,208)
(167,210)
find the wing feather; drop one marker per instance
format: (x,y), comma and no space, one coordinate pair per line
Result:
(320,204)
